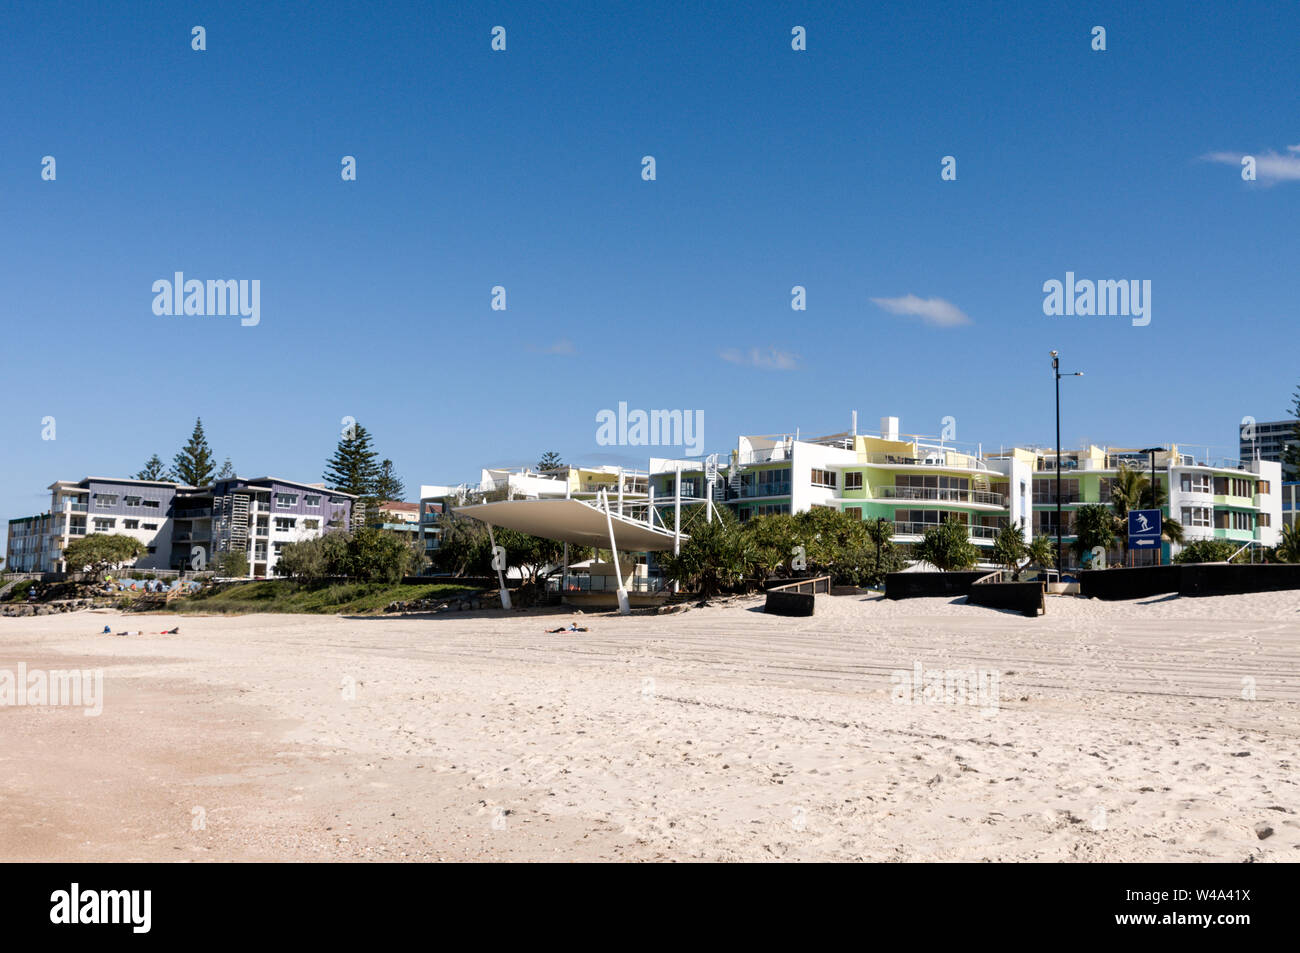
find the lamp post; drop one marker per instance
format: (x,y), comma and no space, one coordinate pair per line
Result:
(1155,500)
(1056,372)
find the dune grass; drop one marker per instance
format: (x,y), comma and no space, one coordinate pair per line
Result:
(282,595)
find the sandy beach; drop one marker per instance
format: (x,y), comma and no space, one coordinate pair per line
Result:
(1163,729)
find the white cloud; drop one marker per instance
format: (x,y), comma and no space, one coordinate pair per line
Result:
(936,311)
(769,359)
(1270,167)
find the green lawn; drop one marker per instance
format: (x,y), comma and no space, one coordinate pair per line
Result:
(282,595)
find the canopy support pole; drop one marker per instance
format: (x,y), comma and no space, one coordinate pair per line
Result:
(624,607)
(677,520)
(501,577)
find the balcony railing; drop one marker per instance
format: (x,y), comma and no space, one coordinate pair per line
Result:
(919,529)
(941,494)
(750,490)
(950,459)
(689,492)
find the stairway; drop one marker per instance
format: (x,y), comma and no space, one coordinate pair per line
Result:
(239,523)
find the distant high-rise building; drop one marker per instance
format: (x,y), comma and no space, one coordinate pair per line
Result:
(1268,441)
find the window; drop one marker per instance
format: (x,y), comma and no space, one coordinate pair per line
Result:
(1196,516)
(104,524)
(1045,491)
(311,524)
(1262,487)
(151,504)
(311,500)
(1195,483)
(855,512)
(1232,486)
(105,500)
(1265,519)
(853,481)
(283,524)
(286,500)
(1233,519)
(824,478)
(1045,523)
(149,526)
(132,500)
(130,524)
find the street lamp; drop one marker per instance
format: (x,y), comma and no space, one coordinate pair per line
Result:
(1056,371)
(1155,500)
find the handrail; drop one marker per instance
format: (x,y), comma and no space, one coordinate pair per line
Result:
(799,583)
(1251,543)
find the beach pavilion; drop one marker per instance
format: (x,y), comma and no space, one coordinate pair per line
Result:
(630,528)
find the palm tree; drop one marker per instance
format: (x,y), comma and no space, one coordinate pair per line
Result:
(1132,490)
(1042,552)
(1288,547)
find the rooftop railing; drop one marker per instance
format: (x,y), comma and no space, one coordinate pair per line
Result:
(952,460)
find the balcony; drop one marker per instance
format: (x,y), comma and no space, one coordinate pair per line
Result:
(939,494)
(76,507)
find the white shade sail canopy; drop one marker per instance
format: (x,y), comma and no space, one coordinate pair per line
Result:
(571,521)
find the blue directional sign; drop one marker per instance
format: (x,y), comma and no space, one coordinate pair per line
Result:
(1144,529)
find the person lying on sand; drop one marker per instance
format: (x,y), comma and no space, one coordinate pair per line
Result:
(571,627)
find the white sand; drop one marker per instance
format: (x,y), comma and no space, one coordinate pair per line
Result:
(1121,734)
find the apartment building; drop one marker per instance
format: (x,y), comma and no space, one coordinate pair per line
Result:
(257,517)
(137,508)
(1239,502)
(1290,503)
(181,527)
(912,482)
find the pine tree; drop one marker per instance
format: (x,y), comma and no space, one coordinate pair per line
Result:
(193,465)
(550,461)
(387,484)
(153,469)
(1291,450)
(353,468)
(227,472)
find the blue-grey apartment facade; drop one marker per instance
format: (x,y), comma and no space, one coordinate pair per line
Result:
(181,527)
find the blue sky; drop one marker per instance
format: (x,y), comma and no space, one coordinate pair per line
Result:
(774,168)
